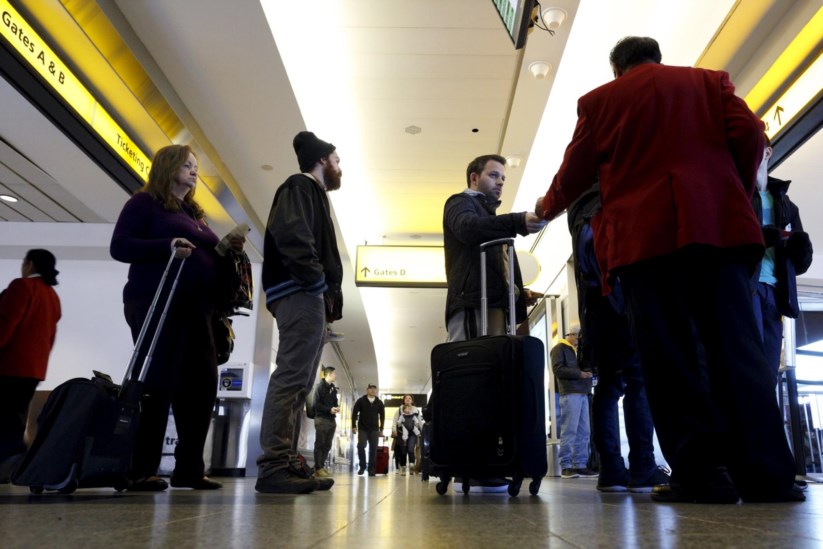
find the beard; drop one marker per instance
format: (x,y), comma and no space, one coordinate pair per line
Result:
(331,177)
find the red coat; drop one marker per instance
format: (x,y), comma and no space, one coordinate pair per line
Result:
(29,311)
(676,153)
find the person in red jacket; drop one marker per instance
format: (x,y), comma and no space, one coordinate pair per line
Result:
(676,154)
(29,311)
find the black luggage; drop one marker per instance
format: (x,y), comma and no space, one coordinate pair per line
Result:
(488,404)
(87,429)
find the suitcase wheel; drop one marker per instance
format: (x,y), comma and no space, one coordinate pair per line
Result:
(442,487)
(514,487)
(70,487)
(36,489)
(534,486)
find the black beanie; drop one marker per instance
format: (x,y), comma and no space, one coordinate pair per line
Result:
(310,150)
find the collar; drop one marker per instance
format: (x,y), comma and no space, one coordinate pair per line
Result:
(311,176)
(566,342)
(494,204)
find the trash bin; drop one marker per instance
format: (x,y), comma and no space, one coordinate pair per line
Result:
(230,422)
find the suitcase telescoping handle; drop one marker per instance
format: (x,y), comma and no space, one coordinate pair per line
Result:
(145,328)
(484,298)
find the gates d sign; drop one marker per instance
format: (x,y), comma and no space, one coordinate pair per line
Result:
(401,266)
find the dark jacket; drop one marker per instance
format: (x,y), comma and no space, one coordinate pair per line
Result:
(468,221)
(325,398)
(143,236)
(564,365)
(793,253)
(300,248)
(368,416)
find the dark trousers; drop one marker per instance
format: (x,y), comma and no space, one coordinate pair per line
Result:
(770,323)
(405,449)
(369,437)
(618,375)
(710,389)
(324,429)
(301,323)
(14,411)
(182,375)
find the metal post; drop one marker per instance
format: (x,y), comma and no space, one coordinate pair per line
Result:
(790,356)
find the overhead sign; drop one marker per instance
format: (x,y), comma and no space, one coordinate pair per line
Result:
(31,47)
(401,266)
(792,103)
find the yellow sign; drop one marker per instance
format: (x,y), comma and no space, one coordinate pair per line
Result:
(401,266)
(22,37)
(804,90)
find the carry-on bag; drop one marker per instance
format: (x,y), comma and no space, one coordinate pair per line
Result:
(87,429)
(382,461)
(488,403)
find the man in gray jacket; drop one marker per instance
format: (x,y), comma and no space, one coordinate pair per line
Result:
(574,386)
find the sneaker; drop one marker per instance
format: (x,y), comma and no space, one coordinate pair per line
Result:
(148,484)
(585,472)
(202,483)
(361,470)
(284,481)
(569,473)
(617,482)
(324,483)
(322,473)
(403,470)
(716,487)
(659,476)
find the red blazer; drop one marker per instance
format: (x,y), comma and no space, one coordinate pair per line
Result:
(29,311)
(676,153)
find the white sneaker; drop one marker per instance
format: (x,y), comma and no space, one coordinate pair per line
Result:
(403,470)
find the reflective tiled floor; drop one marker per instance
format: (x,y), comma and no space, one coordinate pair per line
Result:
(396,512)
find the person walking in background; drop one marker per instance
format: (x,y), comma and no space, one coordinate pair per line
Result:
(676,153)
(409,427)
(367,419)
(302,274)
(164,218)
(788,254)
(29,312)
(574,386)
(326,408)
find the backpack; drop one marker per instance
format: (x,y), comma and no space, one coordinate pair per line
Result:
(310,398)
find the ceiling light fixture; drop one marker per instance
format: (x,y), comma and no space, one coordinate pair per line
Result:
(8,198)
(513,161)
(413,130)
(553,18)
(266,167)
(540,69)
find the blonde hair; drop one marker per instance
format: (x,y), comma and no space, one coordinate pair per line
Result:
(167,162)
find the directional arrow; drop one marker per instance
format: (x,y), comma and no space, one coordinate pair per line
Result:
(777,112)
(365,271)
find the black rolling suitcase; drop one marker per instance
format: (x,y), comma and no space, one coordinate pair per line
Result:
(87,429)
(488,404)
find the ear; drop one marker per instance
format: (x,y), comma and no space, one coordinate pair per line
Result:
(768,153)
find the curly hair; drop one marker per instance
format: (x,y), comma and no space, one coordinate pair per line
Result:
(167,162)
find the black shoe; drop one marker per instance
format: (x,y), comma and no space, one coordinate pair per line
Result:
(284,481)
(324,483)
(148,484)
(9,465)
(718,488)
(793,494)
(657,477)
(585,472)
(371,472)
(613,482)
(361,470)
(202,483)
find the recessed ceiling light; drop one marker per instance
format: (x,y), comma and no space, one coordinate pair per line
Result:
(7,198)
(414,130)
(267,167)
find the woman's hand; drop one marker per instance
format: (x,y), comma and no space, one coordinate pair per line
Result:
(182,248)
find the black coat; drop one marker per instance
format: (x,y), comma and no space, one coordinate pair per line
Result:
(793,253)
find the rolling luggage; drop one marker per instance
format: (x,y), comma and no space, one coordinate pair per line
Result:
(488,404)
(381,466)
(87,429)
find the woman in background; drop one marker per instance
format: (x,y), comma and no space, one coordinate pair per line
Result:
(29,311)
(164,218)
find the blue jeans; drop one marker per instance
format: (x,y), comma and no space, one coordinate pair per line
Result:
(770,322)
(364,437)
(574,444)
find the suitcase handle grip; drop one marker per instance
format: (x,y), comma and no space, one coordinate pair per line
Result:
(484,298)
